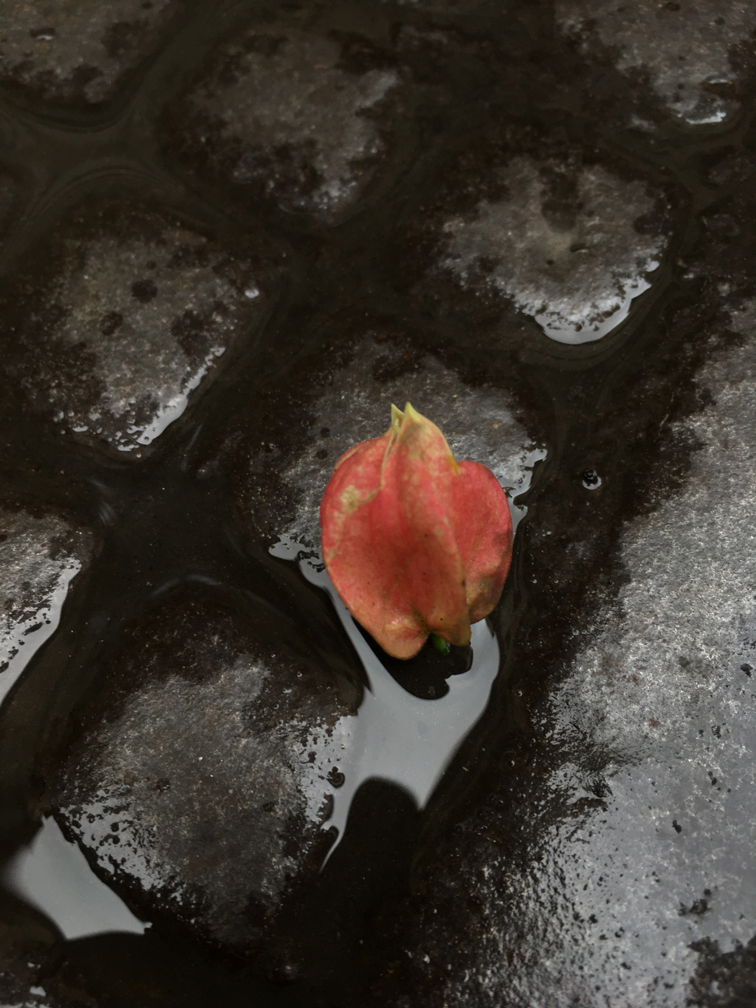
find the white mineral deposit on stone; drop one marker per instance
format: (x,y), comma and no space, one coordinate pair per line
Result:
(53,875)
(660,694)
(478,424)
(399,737)
(577,278)
(34,580)
(296,97)
(682,47)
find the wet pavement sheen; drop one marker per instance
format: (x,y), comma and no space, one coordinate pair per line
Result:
(231,234)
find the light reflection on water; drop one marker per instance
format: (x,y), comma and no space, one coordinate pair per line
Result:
(397,736)
(20,641)
(587,330)
(53,875)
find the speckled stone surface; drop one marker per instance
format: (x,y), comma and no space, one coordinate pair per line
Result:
(647,867)
(68,50)
(298,113)
(208,715)
(526,227)
(564,245)
(39,555)
(692,52)
(352,405)
(138,312)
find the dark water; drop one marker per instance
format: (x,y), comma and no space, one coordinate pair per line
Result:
(460,211)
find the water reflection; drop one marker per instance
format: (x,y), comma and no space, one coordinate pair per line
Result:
(396,736)
(20,641)
(53,875)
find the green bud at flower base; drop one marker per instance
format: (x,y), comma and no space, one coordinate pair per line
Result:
(414,542)
(443,647)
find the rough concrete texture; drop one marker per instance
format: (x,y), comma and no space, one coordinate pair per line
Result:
(132,322)
(689,50)
(564,245)
(69,50)
(39,556)
(205,787)
(354,405)
(649,866)
(299,113)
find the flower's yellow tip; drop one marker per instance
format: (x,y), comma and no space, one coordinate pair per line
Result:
(396,418)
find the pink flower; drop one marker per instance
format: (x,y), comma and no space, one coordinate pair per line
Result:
(414,542)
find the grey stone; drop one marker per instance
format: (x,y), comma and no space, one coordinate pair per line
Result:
(287,109)
(574,265)
(686,48)
(354,405)
(40,554)
(77,50)
(130,322)
(205,788)
(647,870)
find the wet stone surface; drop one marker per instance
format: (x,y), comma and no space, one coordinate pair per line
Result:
(300,115)
(205,776)
(535,222)
(137,310)
(645,873)
(562,239)
(280,481)
(694,53)
(39,556)
(70,51)
(564,244)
